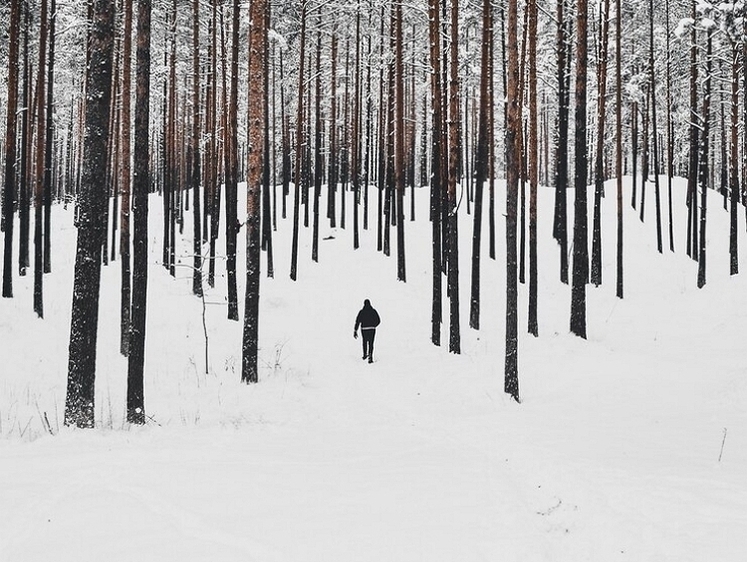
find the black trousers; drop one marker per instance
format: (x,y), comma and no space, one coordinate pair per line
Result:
(368,342)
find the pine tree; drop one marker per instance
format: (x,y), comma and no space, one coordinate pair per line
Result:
(136,363)
(257,132)
(513,171)
(580,228)
(79,404)
(10,148)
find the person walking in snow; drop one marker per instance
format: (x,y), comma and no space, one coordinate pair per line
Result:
(367,319)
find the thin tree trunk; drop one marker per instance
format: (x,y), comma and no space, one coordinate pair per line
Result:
(232,170)
(196,173)
(618,146)
(141,184)
(299,146)
(453,216)
(532,150)
(400,132)
(23,187)
(654,135)
(513,170)
(481,162)
(124,232)
(560,228)
(436,158)
(580,228)
(596,247)
(734,164)
(692,172)
(49,137)
(39,185)
(704,171)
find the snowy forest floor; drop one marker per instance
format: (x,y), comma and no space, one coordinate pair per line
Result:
(617,451)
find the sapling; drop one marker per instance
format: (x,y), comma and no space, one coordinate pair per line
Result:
(722,446)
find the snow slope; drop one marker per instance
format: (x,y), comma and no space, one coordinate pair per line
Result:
(617,452)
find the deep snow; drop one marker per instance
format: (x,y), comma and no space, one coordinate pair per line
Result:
(612,455)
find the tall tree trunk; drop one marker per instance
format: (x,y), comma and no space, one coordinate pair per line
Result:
(318,171)
(596,247)
(126,148)
(580,228)
(704,171)
(692,172)
(654,133)
(23,187)
(618,147)
(10,148)
(41,129)
(532,150)
(400,134)
(356,127)
(268,221)
(560,228)
(49,149)
(299,146)
(136,363)
(434,32)
(734,163)
(453,215)
(232,170)
(79,402)
(196,174)
(513,171)
(481,160)
(670,132)
(256,125)
(333,157)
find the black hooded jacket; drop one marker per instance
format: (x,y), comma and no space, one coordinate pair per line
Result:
(367,318)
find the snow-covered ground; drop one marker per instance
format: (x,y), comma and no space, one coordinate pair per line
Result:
(629,446)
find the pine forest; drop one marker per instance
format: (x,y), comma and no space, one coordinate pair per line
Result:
(542,204)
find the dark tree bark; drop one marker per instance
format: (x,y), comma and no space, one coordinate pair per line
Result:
(269,218)
(513,171)
(692,172)
(734,163)
(256,124)
(704,168)
(560,228)
(124,232)
(436,159)
(48,141)
(10,148)
(400,133)
(670,132)
(232,170)
(618,147)
(355,136)
(299,146)
(654,130)
(79,403)
(318,158)
(333,157)
(136,363)
(453,216)
(481,160)
(23,183)
(41,128)
(532,150)
(596,246)
(195,171)
(580,222)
